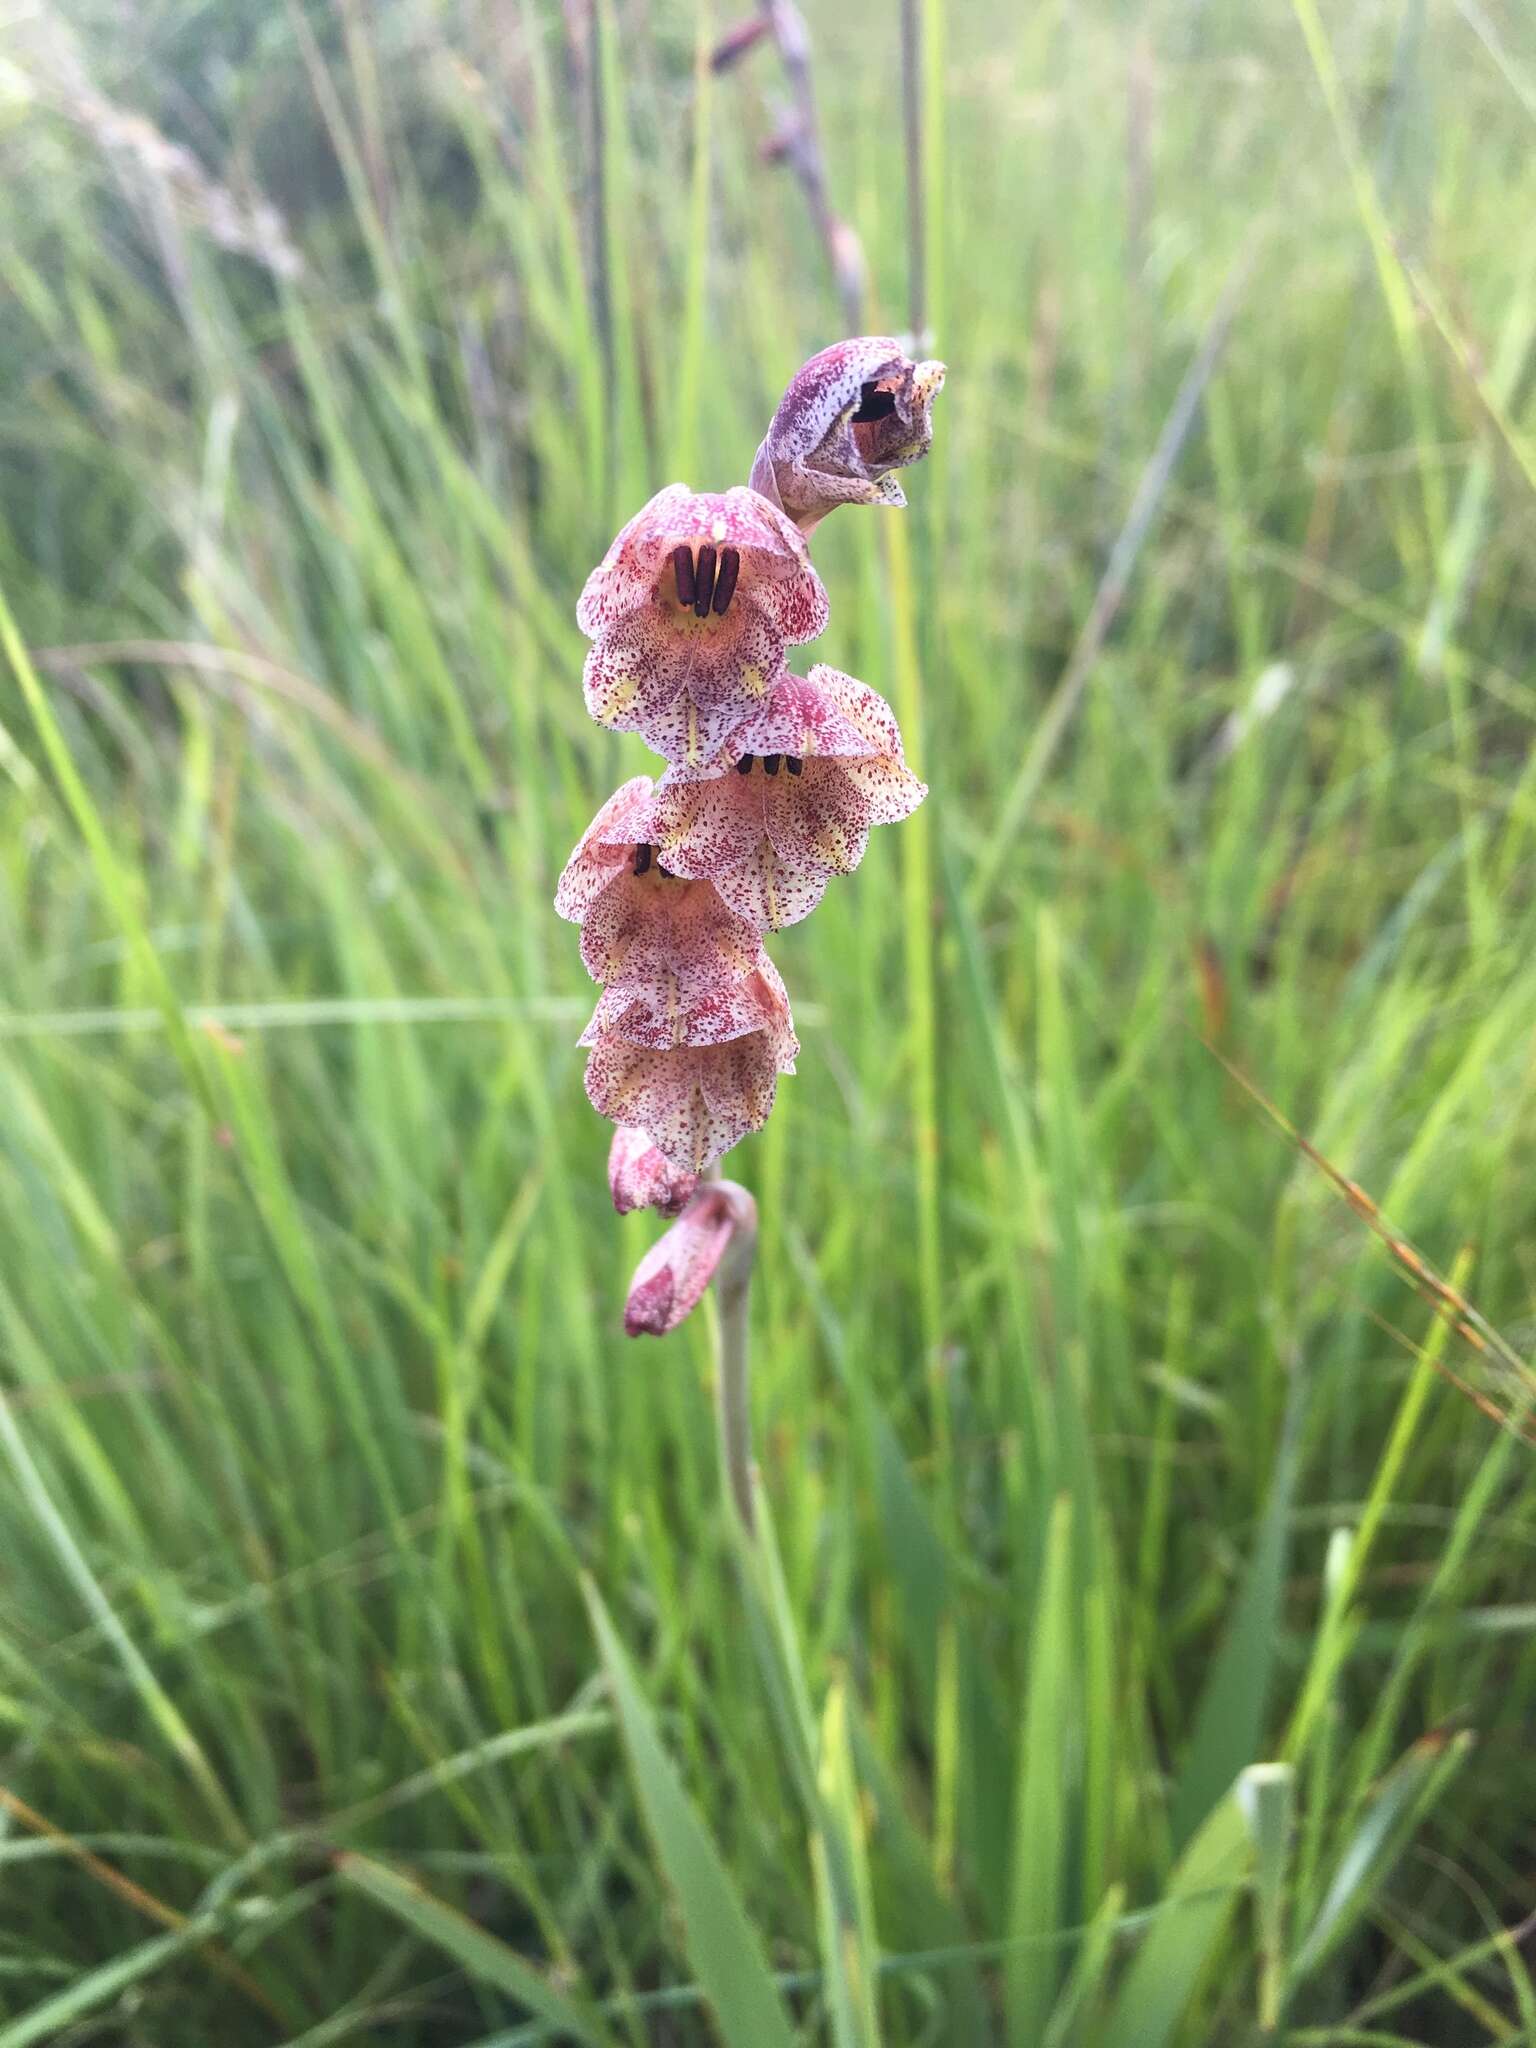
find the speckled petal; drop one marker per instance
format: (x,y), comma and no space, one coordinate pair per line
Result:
(625,576)
(887,791)
(797,604)
(682,687)
(629,674)
(732,664)
(704,827)
(800,717)
(780,1024)
(664,1093)
(815,820)
(654,1015)
(740,1082)
(606,848)
(659,933)
(864,709)
(769,892)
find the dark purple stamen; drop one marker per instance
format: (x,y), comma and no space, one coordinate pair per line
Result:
(642,859)
(770,764)
(744,765)
(705,571)
(725,582)
(793,763)
(682,562)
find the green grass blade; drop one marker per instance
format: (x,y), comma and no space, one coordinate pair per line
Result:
(1041,1816)
(1174,1957)
(1229,1724)
(725,1952)
(1408,1792)
(481,1954)
(49,2020)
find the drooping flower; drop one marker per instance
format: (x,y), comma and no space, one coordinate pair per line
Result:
(791,798)
(640,1178)
(851,415)
(669,951)
(694,1101)
(690,611)
(676,1270)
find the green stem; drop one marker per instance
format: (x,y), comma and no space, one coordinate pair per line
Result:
(733,1398)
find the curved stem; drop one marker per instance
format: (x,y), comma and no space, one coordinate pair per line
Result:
(733,1402)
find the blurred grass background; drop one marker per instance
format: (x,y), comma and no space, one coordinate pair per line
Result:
(1106,1453)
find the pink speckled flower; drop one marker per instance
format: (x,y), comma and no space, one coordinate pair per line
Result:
(850,416)
(671,954)
(640,1178)
(790,801)
(676,1270)
(695,1101)
(689,613)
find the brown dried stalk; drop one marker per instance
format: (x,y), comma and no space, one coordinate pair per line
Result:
(796,142)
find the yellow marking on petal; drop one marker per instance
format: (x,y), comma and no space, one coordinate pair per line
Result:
(828,842)
(694,749)
(770,892)
(624,694)
(807,741)
(753,680)
(718,531)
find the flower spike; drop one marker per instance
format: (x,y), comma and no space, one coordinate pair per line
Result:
(850,416)
(772,783)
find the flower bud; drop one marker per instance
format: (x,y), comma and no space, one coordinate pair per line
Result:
(676,1270)
(641,1177)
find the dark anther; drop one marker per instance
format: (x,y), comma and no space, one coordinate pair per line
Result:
(725,582)
(744,765)
(642,859)
(874,404)
(770,764)
(793,763)
(706,574)
(682,562)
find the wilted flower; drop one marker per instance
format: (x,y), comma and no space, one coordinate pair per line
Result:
(694,1100)
(850,416)
(680,1265)
(690,611)
(639,1177)
(791,800)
